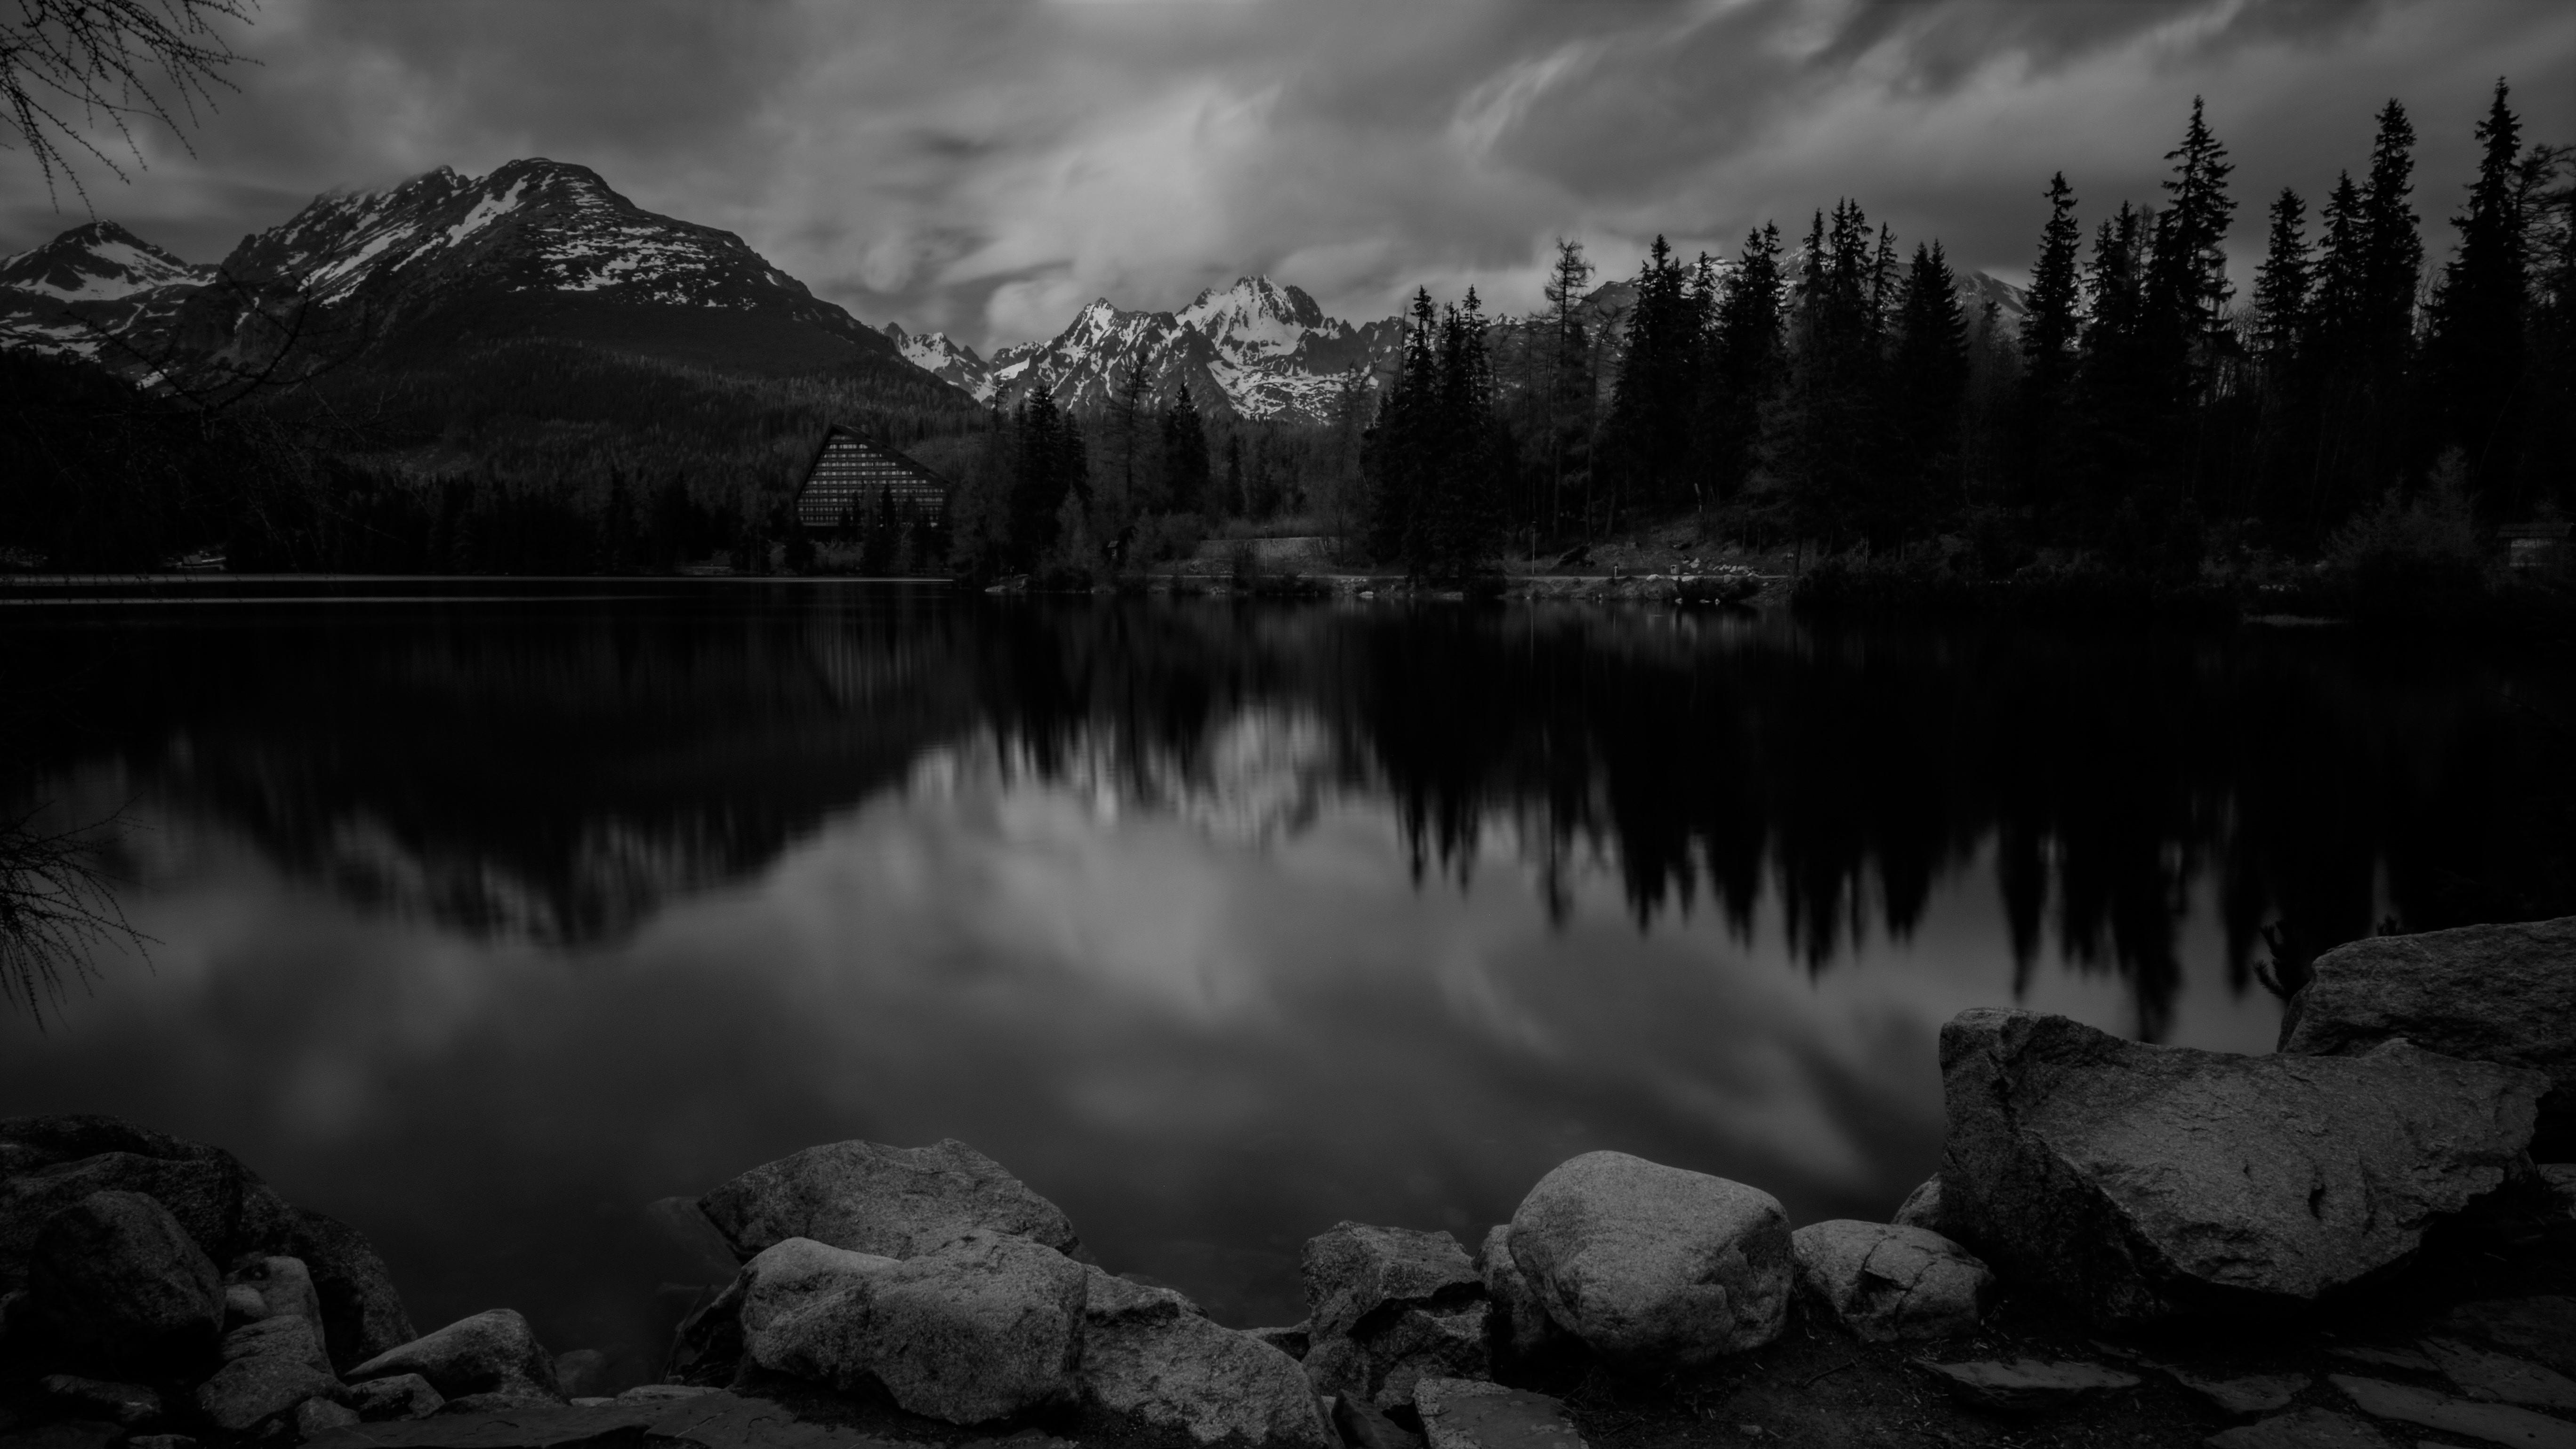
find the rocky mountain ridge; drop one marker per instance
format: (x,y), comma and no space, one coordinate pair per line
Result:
(94,284)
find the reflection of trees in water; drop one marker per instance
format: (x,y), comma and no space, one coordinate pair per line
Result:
(2325,782)
(58,907)
(557,775)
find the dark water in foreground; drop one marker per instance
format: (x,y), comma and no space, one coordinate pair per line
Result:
(483,923)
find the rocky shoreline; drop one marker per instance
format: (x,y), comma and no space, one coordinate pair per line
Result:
(2366,1238)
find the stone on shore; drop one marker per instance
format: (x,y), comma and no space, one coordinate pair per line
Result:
(1883,1282)
(2029,1385)
(2483,1374)
(1387,1307)
(1292,1340)
(2240,1396)
(2494,1423)
(2145,1182)
(269,1367)
(1365,1426)
(316,1417)
(1521,1327)
(1149,1357)
(2502,993)
(490,1352)
(396,1396)
(1644,1262)
(895,1202)
(1471,1414)
(48,1163)
(127,1404)
(1922,1206)
(984,1328)
(2304,1429)
(270,1287)
(2541,1328)
(121,1282)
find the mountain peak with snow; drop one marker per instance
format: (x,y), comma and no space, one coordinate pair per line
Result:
(90,286)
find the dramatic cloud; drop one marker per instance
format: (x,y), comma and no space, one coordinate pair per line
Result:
(986,166)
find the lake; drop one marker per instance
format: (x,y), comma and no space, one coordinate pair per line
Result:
(483,921)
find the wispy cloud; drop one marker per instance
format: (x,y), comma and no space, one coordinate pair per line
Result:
(985,166)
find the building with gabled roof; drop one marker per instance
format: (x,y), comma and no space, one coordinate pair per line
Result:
(853,473)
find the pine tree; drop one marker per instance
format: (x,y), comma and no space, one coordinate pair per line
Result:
(1570,383)
(1406,439)
(1747,356)
(2191,267)
(1185,453)
(1928,372)
(2392,249)
(2477,341)
(2048,338)
(1825,435)
(2281,283)
(1648,433)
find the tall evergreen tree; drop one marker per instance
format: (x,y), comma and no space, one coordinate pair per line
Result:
(1570,384)
(1398,451)
(2477,341)
(1927,373)
(1649,428)
(1185,453)
(2281,283)
(2048,349)
(1747,353)
(1824,436)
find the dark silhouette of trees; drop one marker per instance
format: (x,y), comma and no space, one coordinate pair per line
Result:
(2476,349)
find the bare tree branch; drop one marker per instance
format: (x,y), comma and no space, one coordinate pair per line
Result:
(69,68)
(57,908)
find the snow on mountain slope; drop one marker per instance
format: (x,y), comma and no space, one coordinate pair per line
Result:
(531,226)
(945,358)
(88,286)
(1255,350)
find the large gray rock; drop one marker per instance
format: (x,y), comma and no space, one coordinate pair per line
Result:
(493,1352)
(269,1368)
(2481,993)
(87,1398)
(1149,1358)
(2494,1423)
(48,1163)
(2302,1429)
(397,1396)
(2144,1182)
(1387,1307)
(896,1202)
(1468,1414)
(984,1328)
(1651,1263)
(2027,1385)
(1521,1328)
(1922,1206)
(2483,1374)
(274,1287)
(1884,1283)
(121,1282)
(2541,1328)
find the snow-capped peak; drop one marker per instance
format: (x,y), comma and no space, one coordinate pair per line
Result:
(99,262)
(945,358)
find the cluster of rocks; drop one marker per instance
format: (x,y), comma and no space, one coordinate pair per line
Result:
(2134,1186)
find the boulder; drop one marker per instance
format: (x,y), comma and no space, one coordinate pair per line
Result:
(1521,1328)
(2558,1179)
(1363,1426)
(2541,1328)
(127,1404)
(2483,1374)
(491,1352)
(269,1367)
(121,1282)
(1150,1359)
(1469,1414)
(48,1163)
(1883,1282)
(272,1287)
(2028,1385)
(895,1202)
(1387,1306)
(1292,1340)
(1644,1262)
(984,1328)
(696,1252)
(317,1417)
(2240,1396)
(2382,1356)
(1922,1206)
(2494,1423)
(395,1396)
(2146,1182)
(2305,1429)
(2480,993)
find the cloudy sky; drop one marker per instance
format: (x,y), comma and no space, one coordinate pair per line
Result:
(987,166)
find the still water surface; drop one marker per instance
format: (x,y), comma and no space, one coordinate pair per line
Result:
(482,923)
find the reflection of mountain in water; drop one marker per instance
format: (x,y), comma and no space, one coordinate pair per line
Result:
(557,774)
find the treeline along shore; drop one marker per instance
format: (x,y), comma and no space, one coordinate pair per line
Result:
(2365,1235)
(2348,434)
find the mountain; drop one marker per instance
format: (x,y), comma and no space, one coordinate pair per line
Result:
(536,248)
(93,284)
(1256,350)
(1976,289)
(948,360)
